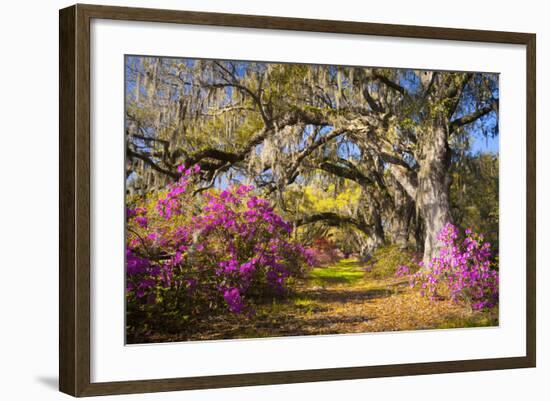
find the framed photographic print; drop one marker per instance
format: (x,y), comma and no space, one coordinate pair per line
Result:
(250,200)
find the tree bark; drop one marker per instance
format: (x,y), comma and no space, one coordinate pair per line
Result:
(433,185)
(400,222)
(376,237)
(378,228)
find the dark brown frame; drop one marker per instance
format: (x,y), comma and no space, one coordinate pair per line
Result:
(74,199)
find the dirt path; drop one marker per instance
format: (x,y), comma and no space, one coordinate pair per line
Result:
(344,298)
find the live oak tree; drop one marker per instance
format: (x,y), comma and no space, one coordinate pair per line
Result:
(395,133)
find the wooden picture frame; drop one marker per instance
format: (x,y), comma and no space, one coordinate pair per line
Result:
(74,203)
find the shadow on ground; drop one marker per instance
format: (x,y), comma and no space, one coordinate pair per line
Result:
(344,296)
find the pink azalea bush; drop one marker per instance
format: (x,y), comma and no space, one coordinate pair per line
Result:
(463,270)
(192,254)
(323,251)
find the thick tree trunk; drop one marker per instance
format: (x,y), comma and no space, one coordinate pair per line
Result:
(378,229)
(372,243)
(376,237)
(433,186)
(401,218)
(418,233)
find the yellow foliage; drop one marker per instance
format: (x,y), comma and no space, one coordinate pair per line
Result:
(316,200)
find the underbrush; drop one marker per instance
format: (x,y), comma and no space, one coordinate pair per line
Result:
(487,318)
(386,260)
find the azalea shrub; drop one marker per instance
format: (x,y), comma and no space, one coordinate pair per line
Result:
(465,270)
(323,252)
(191,253)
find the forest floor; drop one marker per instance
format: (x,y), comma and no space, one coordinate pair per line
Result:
(343,298)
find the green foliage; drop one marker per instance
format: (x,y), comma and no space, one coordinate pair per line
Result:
(387,259)
(343,199)
(282,81)
(474,195)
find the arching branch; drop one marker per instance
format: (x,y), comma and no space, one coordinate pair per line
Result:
(333,219)
(349,172)
(172,174)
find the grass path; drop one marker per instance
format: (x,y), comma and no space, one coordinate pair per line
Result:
(344,298)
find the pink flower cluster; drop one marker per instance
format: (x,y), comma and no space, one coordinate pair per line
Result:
(218,249)
(323,251)
(463,270)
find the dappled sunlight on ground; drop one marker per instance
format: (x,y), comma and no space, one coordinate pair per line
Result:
(342,298)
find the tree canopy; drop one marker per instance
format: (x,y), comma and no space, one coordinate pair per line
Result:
(374,154)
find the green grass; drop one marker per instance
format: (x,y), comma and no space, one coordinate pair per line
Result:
(306,306)
(345,271)
(487,319)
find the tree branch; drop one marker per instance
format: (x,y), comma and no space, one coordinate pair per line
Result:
(408,181)
(391,84)
(346,172)
(470,118)
(172,174)
(333,219)
(212,153)
(370,100)
(455,90)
